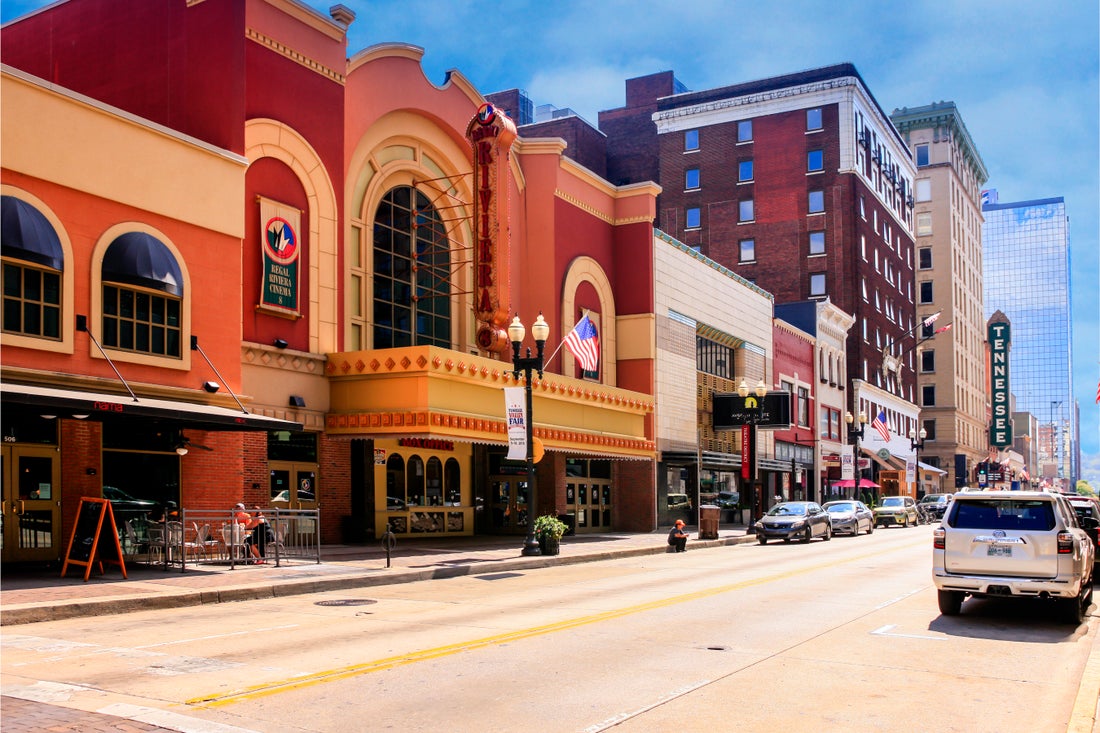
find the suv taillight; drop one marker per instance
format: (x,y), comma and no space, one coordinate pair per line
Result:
(939,534)
(1065,543)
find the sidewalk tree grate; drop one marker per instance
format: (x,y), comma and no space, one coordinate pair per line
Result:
(346,602)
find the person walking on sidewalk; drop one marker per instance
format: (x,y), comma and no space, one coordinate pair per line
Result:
(677,538)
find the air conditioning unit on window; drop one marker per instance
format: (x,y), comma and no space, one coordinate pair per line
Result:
(909,202)
(864,139)
(877,157)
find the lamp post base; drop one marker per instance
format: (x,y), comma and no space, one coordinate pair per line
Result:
(531,546)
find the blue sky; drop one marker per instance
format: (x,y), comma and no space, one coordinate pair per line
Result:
(1023,74)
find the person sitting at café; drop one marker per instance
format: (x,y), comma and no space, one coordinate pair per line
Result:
(248,522)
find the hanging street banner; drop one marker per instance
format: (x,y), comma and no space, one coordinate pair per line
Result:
(1000,342)
(280,246)
(515,411)
(847,467)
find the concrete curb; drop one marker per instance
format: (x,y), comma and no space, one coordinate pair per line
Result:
(30,613)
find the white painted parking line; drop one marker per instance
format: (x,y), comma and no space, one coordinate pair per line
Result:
(886,631)
(168,719)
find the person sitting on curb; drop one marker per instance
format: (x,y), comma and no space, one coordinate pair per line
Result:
(677,538)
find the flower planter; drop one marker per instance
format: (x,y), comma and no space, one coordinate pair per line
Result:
(549,545)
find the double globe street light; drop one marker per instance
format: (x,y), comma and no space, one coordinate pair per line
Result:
(540,330)
(855,434)
(761,392)
(916,442)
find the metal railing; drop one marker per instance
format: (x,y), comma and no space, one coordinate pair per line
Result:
(203,537)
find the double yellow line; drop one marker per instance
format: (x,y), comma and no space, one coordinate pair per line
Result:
(378,665)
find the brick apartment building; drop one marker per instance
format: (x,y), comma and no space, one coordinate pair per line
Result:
(800,184)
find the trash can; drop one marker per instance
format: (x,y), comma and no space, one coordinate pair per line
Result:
(708,521)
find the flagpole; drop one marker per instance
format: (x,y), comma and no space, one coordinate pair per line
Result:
(562,342)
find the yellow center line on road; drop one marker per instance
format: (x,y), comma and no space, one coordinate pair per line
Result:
(378,665)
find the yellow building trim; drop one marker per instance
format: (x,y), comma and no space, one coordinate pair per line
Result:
(430,391)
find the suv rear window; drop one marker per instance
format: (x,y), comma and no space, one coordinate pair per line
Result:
(1034,514)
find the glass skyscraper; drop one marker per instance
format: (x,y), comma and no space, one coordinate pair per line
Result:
(1025,246)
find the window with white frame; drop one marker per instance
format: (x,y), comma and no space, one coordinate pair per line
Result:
(744,131)
(691,179)
(745,210)
(747,250)
(816,202)
(923,189)
(744,171)
(691,140)
(813,119)
(692,218)
(817,243)
(817,284)
(924,224)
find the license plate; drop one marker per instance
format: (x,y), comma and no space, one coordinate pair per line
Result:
(999,551)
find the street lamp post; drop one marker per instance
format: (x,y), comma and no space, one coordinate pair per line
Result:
(916,442)
(761,392)
(526,364)
(854,436)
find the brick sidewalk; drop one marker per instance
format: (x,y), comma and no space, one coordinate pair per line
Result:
(26,715)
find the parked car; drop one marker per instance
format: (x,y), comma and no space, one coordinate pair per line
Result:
(787,520)
(678,502)
(727,499)
(1014,544)
(850,516)
(1087,507)
(934,505)
(124,506)
(900,510)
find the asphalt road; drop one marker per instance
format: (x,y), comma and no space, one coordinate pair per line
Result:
(832,636)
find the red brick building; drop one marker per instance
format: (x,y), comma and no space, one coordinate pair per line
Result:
(346,242)
(800,184)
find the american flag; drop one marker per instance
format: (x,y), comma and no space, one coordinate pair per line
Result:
(584,344)
(879,424)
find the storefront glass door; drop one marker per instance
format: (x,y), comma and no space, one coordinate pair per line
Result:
(31,494)
(293,485)
(508,496)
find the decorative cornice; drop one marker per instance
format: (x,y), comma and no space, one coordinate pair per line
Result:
(476,368)
(463,427)
(586,207)
(289,359)
(298,58)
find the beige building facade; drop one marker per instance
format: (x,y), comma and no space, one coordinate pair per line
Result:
(947,224)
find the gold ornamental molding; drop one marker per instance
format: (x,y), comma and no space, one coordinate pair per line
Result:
(434,392)
(299,58)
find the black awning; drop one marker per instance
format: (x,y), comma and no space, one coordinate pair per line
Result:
(105,407)
(140,259)
(27,235)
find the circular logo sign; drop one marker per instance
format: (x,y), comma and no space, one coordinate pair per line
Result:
(280,240)
(486,113)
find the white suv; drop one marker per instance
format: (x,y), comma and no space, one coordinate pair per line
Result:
(1013,544)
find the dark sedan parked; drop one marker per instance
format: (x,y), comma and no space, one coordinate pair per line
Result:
(934,505)
(802,519)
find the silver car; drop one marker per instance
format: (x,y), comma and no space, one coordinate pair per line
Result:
(1014,544)
(850,516)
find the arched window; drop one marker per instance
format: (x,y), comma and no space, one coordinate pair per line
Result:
(32,262)
(412,266)
(395,483)
(452,482)
(435,482)
(142,296)
(415,481)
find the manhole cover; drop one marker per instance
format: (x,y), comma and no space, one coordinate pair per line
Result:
(346,602)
